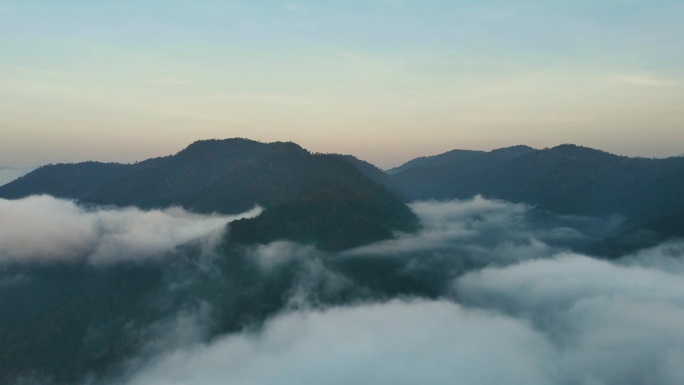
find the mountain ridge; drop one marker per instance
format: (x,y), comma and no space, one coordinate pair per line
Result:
(233,175)
(456,155)
(570,180)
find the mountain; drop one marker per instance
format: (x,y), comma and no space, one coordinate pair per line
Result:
(642,236)
(371,171)
(80,321)
(339,201)
(566,179)
(671,226)
(313,198)
(63,180)
(463,158)
(422,178)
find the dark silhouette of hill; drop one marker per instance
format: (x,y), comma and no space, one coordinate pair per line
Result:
(566,179)
(314,198)
(63,180)
(422,178)
(340,201)
(670,226)
(462,158)
(47,329)
(161,182)
(311,198)
(371,171)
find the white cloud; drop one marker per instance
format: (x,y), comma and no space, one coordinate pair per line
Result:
(399,342)
(488,231)
(569,319)
(46,229)
(609,323)
(275,254)
(525,315)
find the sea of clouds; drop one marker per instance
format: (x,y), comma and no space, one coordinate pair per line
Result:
(570,319)
(487,292)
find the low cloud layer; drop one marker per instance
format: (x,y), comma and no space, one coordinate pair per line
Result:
(488,292)
(46,229)
(570,319)
(399,342)
(609,323)
(482,231)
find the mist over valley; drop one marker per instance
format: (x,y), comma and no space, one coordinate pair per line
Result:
(348,192)
(240,262)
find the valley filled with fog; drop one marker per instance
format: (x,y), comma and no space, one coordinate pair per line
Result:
(485,292)
(371,192)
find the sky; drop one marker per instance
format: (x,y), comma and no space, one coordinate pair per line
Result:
(384,80)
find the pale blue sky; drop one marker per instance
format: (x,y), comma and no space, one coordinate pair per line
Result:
(385,80)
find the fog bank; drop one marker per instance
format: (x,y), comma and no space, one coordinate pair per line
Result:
(487,292)
(569,319)
(47,229)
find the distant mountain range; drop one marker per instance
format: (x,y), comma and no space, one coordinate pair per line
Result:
(338,201)
(566,179)
(424,177)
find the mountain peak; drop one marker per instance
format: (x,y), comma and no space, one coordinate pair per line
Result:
(569,147)
(310,198)
(287,146)
(574,150)
(513,151)
(212,145)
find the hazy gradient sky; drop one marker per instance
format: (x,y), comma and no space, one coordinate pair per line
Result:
(385,80)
